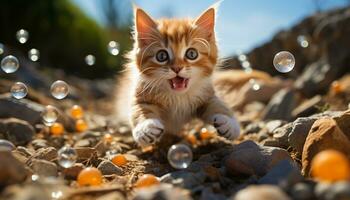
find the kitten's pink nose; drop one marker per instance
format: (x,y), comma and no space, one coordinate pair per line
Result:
(176,69)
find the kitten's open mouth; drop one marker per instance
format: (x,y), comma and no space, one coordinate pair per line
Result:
(178,83)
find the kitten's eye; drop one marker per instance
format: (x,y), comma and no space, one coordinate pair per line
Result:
(191,54)
(162,56)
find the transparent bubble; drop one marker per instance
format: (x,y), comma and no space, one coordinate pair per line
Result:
(19,90)
(246,64)
(284,61)
(248,70)
(67,156)
(59,89)
(242,57)
(35,177)
(6,145)
(2,48)
(50,115)
(90,60)
(113,48)
(180,156)
(34,54)
(22,36)
(9,64)
(302,40)
(254,84)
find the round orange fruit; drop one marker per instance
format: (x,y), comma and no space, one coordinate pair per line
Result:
(77,112)
(146,180)
(90,176)
(80,125)
(56,129)
(119,160)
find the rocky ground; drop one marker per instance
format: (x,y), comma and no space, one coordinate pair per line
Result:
(284,124)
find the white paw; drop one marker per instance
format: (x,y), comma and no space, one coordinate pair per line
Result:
(148,132)
(226,126)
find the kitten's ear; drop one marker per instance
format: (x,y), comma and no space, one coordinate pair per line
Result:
(145,26)
(206,21)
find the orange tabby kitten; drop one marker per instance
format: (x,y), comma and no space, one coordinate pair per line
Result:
(168,78)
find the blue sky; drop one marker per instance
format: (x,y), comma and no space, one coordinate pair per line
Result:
(241,24)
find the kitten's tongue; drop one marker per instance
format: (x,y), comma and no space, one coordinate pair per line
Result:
(178,83)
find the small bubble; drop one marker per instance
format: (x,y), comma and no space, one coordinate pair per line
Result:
(180,156)
(113,48)
(2,48)
(90,60)
(255,86)
(59,89)
(35,177)
(302,40)
(246,64)
(6,145)
(19,90)
(34,54)
(9,64)
(67,156)
(22,36)
(50,115)
(242,57)
(284,61)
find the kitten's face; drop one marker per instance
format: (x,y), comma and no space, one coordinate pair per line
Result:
(175,54)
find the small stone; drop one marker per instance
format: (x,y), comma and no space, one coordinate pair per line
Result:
(39,143)
(308,107)
(280,135)
(249,158)
(17,131)
(302,191)
(262,192)
(208,194)
(163,191)
(273,125)
(49,154)
(73,172)
(26,152)
(108,168)
(83,143)
(343,121)
(299,132)
(253,128)
(324,134)
(285,174)
(11,170)
(43,167)
(280,106)
(184,179)
(84,153)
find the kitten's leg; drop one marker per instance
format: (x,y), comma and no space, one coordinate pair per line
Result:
(147,125)
(221,117)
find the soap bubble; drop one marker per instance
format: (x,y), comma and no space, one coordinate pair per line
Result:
(9,64)
(90,60)
(19,90)
(113,48)
(180,156)
(67,156)
(59,89)
(50,115)
(34,54)
(255,86)
(6,145)
(242,57)
(246,64)
(22,36)
(2,48)
(284,61)
(302,40)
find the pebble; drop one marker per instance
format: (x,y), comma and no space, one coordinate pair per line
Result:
(302,191)
(299,132)
(43,167)
(162,191)
(73,172)
(261,192)
(11,170)
(17,131)
(108,168)
(49,154)
(184,179)
(249,158)
(280,106)
(39,143)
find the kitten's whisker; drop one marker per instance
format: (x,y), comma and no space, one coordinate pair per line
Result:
(143,53)
(204,42)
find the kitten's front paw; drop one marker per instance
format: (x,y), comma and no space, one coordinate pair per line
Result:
(148,132)
(226,126)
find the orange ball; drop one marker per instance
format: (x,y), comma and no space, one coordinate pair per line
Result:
(119,160)
(146,180)
(108,138)
(192,139)
(330,165)
(205,134)
(80,125)
(77,112)
(337,87)
(56,129)
(90,176)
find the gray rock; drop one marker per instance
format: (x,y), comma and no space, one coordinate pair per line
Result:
(280,135)
(253,128)
(208,194)
(184,179)
(302,191)
(43,167)
(262,192)
(49,154)
(108,168)
(11,170)
(162,191)
(73,172)
(336,191)
(24,109)
(17,131)
(307,108)
(39,143)
(273,125)
(285,174)
(250,158)
(26,152)
(280,106)
(299,132)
